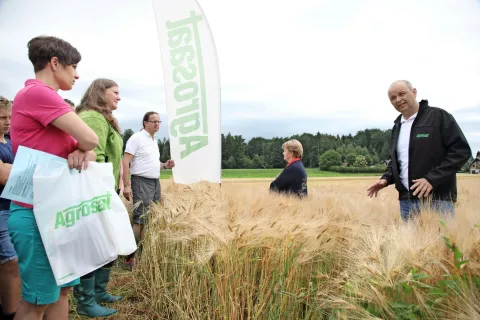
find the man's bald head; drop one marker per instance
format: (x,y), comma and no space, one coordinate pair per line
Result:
(405,82)
(402,96)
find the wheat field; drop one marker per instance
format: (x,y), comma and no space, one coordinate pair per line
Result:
(236,251)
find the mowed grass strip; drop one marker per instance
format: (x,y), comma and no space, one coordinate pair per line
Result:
(272,173)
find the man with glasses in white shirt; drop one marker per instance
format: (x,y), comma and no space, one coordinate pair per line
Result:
(141,163)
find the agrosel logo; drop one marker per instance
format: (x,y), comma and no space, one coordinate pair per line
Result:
(190,121)
(67,217)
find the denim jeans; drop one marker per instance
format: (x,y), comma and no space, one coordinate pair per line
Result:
(411,208)
(7,252)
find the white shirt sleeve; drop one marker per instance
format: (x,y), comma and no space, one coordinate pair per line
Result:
(132,144)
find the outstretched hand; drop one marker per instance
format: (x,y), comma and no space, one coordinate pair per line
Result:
(377,186)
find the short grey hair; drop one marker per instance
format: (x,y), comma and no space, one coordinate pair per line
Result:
(406,82)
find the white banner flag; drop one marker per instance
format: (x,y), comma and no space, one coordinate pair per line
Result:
(192,90)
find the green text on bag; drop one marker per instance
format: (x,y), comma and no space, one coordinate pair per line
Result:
(68,217)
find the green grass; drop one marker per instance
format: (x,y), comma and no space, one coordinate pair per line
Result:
(272,173)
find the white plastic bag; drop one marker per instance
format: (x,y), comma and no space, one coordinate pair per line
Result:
(82,221)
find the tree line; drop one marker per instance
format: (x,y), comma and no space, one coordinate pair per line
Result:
(366,148)
(346,153)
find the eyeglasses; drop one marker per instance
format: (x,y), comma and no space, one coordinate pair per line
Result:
(155,122)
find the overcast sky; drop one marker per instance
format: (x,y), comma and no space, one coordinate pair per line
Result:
(286,67)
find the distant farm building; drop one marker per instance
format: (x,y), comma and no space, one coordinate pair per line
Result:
(474,167)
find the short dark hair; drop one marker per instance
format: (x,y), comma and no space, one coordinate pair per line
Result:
(146,117)
(70,102)
(43,48)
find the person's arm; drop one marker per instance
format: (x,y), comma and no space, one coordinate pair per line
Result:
(388,175)
(385,180)
(100,127)
(130,151)
(458,152)
(47,107)
(72,124)
(127,189)
(5,169)
(282,181)
(87,140)
(127,159)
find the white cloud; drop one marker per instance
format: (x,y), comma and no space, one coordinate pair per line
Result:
(282,60)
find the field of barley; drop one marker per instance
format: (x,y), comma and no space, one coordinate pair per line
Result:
(236,251)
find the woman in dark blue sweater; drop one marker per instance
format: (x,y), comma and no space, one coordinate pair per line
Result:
(293,179)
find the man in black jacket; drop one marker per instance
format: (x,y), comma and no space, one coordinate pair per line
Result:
(427,150)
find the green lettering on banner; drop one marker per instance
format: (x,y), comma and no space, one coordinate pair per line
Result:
(181,124)
(188,73)
(186,91)
(194,106)
(177,35)
(68,217)
(178,55)
(192,143)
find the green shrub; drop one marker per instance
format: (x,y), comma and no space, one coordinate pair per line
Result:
(376,169)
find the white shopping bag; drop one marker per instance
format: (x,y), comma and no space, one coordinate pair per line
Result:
(82,221)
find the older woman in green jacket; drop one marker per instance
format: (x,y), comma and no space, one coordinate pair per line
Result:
(95,109)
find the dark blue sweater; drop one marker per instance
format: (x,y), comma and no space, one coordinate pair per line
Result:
(292,180)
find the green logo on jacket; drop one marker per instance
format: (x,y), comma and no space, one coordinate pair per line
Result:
(423,135)
(68,217)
